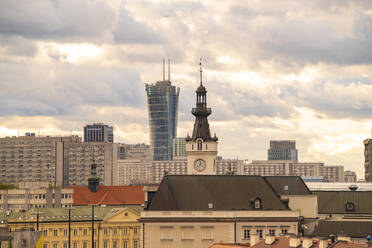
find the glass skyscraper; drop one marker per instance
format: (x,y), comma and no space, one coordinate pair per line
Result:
(162,102)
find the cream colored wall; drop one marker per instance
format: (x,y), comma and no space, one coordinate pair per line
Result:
(208,154)
(306,205)
(223,232)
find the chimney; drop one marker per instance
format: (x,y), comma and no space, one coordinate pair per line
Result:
(323,243)
(254,239)
(307,242)
(269,239)
(294,241)
(342,237)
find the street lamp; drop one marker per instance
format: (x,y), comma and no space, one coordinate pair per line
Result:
(69,226)
(93,224)
(37,218)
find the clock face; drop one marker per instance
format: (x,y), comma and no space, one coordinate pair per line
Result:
(200,165)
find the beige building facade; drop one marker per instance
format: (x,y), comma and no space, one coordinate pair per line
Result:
(35,195)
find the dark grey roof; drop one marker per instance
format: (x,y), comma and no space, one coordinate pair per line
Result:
(335,201)
(354,229)
(225,192)
(296,185)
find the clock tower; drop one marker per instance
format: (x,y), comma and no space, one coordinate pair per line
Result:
(201,148)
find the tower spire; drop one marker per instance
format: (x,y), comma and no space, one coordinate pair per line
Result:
(201,72)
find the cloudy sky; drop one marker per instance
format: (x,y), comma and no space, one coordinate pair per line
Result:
(273,70)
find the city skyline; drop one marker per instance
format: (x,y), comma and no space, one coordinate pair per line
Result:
(298,71)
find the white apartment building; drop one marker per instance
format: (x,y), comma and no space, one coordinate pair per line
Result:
(35,195)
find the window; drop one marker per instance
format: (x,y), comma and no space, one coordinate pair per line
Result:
(65,232)
(257,203)
(272,232)
(64,245)
(74,245)
(125,244)
(125,230)
(166,233)
(55,233)
(115,244)
(207,233)
(55,245)
(85,244)
(246,234)
(45,233)
(105,244)
(260,233)
(135,230)
(349,207)
(115,231)
(135,244)
(85,232)
(284,231)
(105,231)
(187,233)
(75,232)
(200,145)
(45,245)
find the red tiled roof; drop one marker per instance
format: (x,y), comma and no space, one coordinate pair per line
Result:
(108,195)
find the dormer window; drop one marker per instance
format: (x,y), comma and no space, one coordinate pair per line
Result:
(200,145)
(349,207)
(257,203)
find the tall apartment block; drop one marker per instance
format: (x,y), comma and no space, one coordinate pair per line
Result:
(98,132)
(162,102)
(282,150)
(57,160)
(368,159)
(135,151)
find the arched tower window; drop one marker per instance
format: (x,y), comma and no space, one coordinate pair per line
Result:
(200,145)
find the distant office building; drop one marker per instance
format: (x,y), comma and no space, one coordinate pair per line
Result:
(162,102)
(368,159)
(98,132)
(179,148)
(350,176)
(35,195)
(291,168)
(137,172)
(282,150)
(135,151)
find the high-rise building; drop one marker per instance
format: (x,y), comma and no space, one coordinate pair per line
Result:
(57,160)
(282,150)
(162,102)
(135,151)
(368,159)
(98,132)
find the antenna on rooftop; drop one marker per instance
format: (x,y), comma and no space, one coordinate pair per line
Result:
(168,69)
(163,69)
(201,72)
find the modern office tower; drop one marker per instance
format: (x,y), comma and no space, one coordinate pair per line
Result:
(282,150)
(368,159)
(98,132)
(162,102)
(135,151)
(179,148)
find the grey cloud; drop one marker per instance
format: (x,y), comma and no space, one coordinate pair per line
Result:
(18,46)
(65,88)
